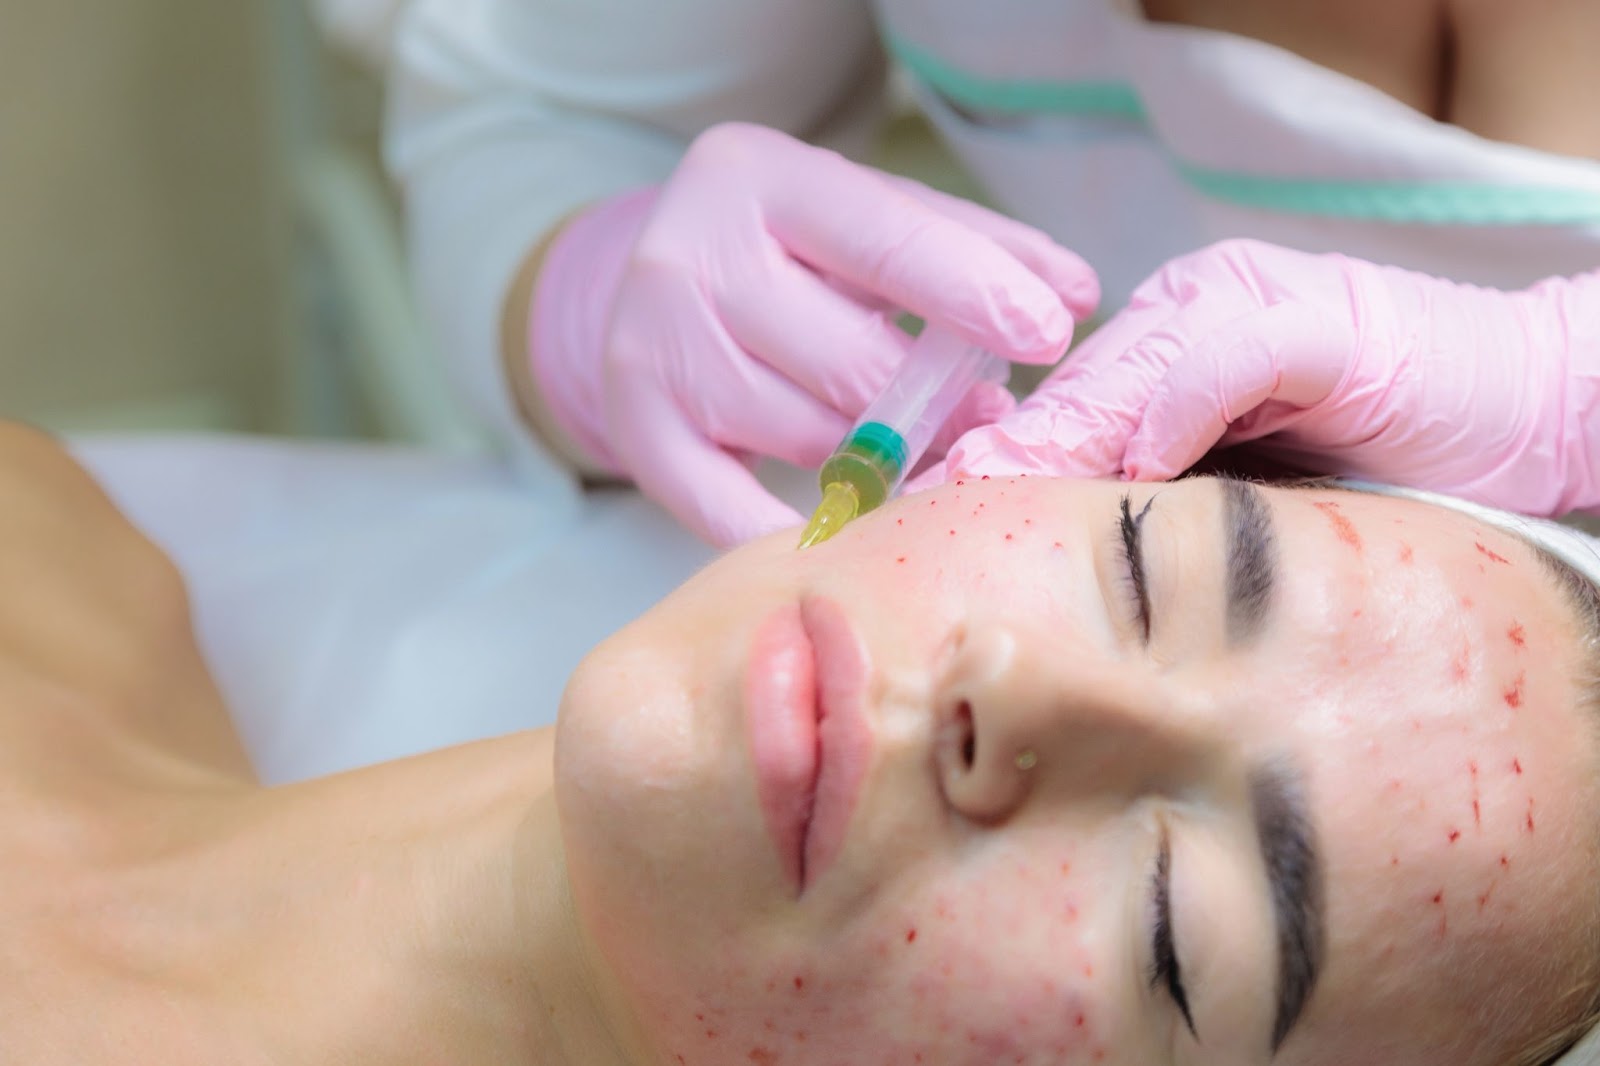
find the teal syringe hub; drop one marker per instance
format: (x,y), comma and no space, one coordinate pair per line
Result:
(872,460)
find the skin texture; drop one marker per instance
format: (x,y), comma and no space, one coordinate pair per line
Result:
(1507,72)
(1418,670)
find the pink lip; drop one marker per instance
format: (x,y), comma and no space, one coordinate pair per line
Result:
(809,739)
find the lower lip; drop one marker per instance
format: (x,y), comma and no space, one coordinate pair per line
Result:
(808,736)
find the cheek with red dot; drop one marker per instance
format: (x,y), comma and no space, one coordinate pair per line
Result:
(1003,969)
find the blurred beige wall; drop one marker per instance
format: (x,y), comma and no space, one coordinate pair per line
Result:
(142,226)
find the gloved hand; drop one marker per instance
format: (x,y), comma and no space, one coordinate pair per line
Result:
(747,308)
(1346,367)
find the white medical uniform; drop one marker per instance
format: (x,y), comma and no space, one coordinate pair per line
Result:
(358,604)
(1130,142)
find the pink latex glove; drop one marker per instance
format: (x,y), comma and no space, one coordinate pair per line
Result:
(1345,366)
(747,308)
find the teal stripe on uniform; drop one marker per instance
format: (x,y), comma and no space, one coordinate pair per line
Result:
(1425,203)
(1420,202)
(1021,95)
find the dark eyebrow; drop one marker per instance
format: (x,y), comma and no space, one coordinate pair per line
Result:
(1294,877)
(1252,558)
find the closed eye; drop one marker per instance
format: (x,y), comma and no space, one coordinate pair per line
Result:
(1164,969)
(1131,543)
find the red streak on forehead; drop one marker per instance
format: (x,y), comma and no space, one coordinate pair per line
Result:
(1343,528)
(1490,554)
(1513,694)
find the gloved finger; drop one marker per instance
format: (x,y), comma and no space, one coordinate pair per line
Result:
(1279,361)
(934,475)
(770,417)
(1153,312)
(1074,427)
(984,404)
(732,400)
(852,223)
(1072,278)
(831,347)
(710,491)
(859,296)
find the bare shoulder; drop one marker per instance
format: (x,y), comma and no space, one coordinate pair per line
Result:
(93,617)
(1525,72)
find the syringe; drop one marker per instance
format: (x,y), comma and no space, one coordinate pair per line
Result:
(897,428)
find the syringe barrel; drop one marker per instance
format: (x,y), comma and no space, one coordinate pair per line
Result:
(939,371)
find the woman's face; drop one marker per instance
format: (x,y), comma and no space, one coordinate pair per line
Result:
(964,786)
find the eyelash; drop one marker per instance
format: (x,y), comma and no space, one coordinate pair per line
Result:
(1164,971)
(1128,526)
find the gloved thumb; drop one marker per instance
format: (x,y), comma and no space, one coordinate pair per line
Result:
(984,404)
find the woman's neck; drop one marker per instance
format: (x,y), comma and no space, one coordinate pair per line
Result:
(416,911)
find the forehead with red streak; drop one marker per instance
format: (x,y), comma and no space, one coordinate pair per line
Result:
(1454,770)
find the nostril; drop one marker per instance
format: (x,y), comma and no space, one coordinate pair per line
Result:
(969,737)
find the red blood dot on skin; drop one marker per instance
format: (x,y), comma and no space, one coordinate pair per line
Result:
(1490,554)
(1343,528)
(1483,900)
(1438,897)
(933,503)
(1057,545)
(901,559)
(1027,521)
(1455,835)
(1517,635)
(1513,695)
(1529,822)
(952,532)
(1079,1022)
(1394,860)
(1406,554)
(986,477)
(1477,815)
(711,1034)
(1010,537)
(799,983)
(1505,862)
(960,483)
(899,521)
(1516,764)
(911,936)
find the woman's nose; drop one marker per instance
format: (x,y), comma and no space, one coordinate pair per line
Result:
(1021,717)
